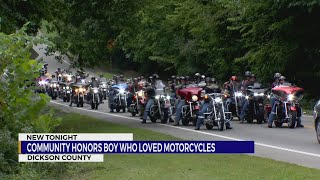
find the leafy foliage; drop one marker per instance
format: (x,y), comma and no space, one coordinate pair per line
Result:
(20,107)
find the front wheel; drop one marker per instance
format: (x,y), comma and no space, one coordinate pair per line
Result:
(292,119)
(164,116)
(221,121)
(260,115)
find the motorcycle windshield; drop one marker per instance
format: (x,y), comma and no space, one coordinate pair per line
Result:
(256,88)
(159,87)
(120,86)
(284,91)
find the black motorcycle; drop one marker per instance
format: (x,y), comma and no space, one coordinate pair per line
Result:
(160,108)
(256,95)
(78,95)
(65,93)
(94,98)
(53,90)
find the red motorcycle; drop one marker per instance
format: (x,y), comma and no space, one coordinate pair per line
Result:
(192,97)
(287,107)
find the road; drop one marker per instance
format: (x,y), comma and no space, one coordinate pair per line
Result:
(298,146)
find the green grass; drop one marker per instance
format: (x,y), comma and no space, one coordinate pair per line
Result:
(166,166)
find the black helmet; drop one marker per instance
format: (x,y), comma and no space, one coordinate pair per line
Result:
(93,78)
(208,79)
(53,76)
(247,74)
(277,75)
(155,76)
(187,78)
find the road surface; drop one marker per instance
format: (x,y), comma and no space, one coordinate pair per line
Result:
(298,146)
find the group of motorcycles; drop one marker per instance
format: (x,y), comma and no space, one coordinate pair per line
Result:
(224,106)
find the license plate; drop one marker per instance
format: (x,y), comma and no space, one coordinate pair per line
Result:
(196,108)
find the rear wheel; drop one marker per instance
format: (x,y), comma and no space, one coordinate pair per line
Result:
(292,119)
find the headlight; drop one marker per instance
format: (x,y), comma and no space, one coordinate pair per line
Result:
(76,90)
(194,98)
(247,97)
(104,85)
(140,93)
(168,97)
(157,97)
(218,100)
(69,78)
(83,81)
(290,97)
(121,91)
(60,75)
(238,94)
(268,96)
(67,87)
(258,94)
(54,85)
(95,90)
(64,88)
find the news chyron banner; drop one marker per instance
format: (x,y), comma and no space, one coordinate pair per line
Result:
(92,147)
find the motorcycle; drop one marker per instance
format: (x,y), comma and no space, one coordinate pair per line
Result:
(53,89)
(104,89)
(42,85)
(287,107)
(138,102)
(160,108)
(120,99)
(216,115)
(94,92)
(59,77)
(189,112)
(65,93)
(256,95)
(79,95)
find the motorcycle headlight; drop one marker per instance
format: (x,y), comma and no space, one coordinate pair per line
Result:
(194,98)
(256,94)
(64,88)
(67,87)
(80,89)
(121,91)
(95,90)
(83,81)
(54,85)
(104,85)
(168,97)
(247,97)
(218,100)
(140,93)
(268,96)
(69,78)
(290,97)
(77,90)
(157,97)
(60,75)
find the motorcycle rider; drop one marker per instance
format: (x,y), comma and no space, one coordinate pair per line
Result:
(197,78)
(58,71)
(181,102)
(73,86)
(251,81)
(231,87)
(133,87)
(247,81)
(275,101)
(151,93)
(211,87)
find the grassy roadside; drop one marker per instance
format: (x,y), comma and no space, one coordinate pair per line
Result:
(171,166)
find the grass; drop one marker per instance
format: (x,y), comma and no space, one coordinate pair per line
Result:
(167,166)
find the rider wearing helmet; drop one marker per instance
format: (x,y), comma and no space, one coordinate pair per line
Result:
(245,83)
(245,105)
(276,80)
(231,87)
(197,77)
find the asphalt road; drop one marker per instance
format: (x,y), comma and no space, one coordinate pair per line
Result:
(298,146)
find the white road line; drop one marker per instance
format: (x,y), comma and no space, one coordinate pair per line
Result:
(206,133)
